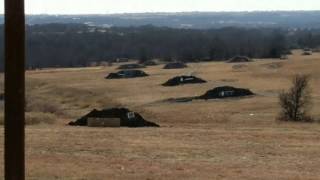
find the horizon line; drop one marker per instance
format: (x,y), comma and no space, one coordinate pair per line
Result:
(170,12)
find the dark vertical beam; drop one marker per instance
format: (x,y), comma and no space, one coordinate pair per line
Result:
(14,89)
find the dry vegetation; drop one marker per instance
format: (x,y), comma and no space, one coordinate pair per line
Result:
(218,139)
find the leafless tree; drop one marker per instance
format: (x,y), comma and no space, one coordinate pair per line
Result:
(296,103)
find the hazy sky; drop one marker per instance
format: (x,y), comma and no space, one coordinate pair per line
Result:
(120,6)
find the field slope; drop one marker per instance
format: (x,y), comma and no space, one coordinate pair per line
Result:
(215,139)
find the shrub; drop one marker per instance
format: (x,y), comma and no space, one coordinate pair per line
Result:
(34,118)
(296,103)
(38,104)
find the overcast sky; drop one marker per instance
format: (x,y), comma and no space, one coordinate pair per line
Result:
(121,6)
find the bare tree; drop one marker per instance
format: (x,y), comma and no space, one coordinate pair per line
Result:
(296,103)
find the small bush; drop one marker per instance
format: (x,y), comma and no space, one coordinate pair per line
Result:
(35,118)
(37,104)
(296,103)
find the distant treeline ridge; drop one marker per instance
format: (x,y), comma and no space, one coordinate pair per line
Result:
(71,45)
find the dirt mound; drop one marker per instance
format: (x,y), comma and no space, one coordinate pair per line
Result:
(131,66)
(225,92)
(239,59)
(127,118)
(240,67)
(180,80)
(216,93)
(175,65)
(127,74)
(287,52)
(284,57)
(307,53)
(316,50)
(150,63)
(180,100)
(273,65)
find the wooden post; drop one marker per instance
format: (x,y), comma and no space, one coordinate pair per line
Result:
(14,89)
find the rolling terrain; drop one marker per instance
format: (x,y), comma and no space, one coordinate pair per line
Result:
(215,139)
(189,20)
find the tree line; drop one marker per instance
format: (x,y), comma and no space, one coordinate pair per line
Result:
(73,45)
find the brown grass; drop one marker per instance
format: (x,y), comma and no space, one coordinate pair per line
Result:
(217,139)
(35,118)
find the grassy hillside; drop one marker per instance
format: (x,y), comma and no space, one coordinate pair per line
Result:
(222,139)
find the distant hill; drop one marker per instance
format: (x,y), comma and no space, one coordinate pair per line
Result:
(192,20)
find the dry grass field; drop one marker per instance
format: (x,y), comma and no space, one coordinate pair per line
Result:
(215,139)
